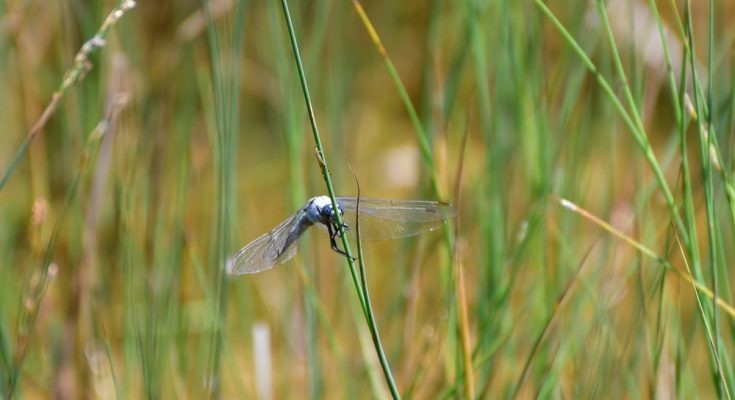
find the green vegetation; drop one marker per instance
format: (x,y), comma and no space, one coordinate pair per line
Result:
(587,146)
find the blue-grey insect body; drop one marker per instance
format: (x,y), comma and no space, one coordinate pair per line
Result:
(379,219)
(319,210)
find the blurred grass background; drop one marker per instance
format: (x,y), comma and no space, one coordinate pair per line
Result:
(185,137)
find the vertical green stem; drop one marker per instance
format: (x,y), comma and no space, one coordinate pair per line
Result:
(296,183)
(73,75)
(361,290)
(319,149)
(225,88)
(705,144)
(371,319)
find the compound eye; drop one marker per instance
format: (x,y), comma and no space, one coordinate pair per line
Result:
(327,210)
(341,210)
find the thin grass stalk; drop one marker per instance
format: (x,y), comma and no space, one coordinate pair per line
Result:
(687,183)
(110,362)
(226,89)
(660,330)
(87,274)
(422,137)
(454,74)
(638,134)
(39,280)
(464,328)
(715,153)
(426,152)
(461,293)
(320,151)
(678,115)
(73,75)
(294,146)
(687,276)
(643,249)
(372,324)
(321,316)
(526,112)
(201,279)
(6,363)
(709,156)
(688,236)
(361,290)
(710,60)
(429,74)
(560,301)
(618,63)
(707,328)
(213,369)
(173,274)
(130,259)
(705,144)
(489,309)
(638,129)
(691,244)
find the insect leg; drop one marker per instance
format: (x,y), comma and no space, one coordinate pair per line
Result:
(332,234)
(333,231)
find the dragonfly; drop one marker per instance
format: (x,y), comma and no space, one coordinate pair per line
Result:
(379,220)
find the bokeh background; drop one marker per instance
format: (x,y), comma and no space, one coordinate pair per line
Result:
(182,134)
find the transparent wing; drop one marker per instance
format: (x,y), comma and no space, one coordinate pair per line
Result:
(271,249)
(393,219)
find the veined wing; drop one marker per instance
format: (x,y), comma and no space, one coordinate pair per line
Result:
(271,249)
(392,219)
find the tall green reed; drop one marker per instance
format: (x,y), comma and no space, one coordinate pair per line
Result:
(292,109)
(75,73)
(41,277)
(225,66)
(684,224)
(361,290)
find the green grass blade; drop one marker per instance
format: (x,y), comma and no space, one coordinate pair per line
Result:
(361,290)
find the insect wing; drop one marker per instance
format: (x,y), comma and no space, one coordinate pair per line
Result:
(392,219)
(268,250)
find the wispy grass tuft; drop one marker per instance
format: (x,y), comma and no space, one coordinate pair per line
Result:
(461,291)
(73,75)
(423,139)
(647,252)
(372,324)
(225,60)
(39,279)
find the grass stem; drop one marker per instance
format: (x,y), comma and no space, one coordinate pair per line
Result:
(321,159)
